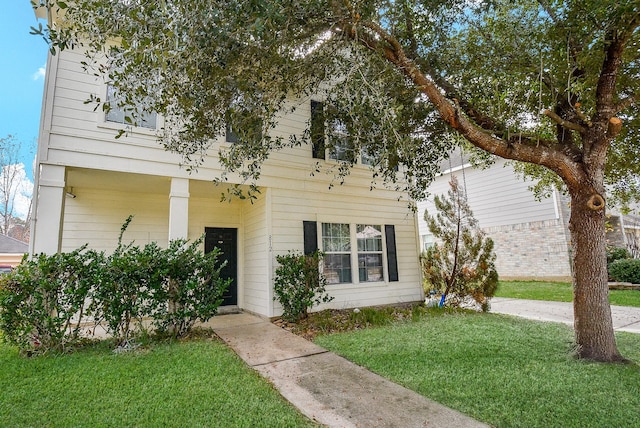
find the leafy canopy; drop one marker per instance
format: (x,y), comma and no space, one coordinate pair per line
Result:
(206,64)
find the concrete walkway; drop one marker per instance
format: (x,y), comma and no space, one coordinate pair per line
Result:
(625,318)
(325,387)
(337,393)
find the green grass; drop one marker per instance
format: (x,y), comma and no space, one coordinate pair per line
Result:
(199,383)
(505,371)
(559,292)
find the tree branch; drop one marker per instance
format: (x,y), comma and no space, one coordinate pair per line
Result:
(562,122)
(614,128)
(625,103)
(553,158)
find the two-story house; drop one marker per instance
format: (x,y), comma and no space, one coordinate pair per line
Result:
(88,183)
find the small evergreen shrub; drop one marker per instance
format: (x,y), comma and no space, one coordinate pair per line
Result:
(43,301)
(462,263)
(299,285)
(625,270)
(613,254)
(192,287)
(617,253)
(124,295)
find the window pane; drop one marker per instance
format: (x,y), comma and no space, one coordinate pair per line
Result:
(337,268)
(336,244)
(335,237)
(149,120)
(317,129)
(369,252)
(370,267)
(341,149)
(367,159)
(369,237)
(117,114)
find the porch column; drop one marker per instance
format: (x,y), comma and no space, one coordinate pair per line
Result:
(179,209)
(49,215)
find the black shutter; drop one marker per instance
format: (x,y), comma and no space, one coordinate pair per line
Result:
(310,237)
(392,257)
(317,129)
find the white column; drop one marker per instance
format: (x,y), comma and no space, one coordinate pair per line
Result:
(179,209)
(49,215)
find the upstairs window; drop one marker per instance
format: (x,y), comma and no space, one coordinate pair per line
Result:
(243,121)
(317,129)
(121,114)
(230,136)
(341,145)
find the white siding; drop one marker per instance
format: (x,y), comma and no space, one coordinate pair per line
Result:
(346,205)
(95,217)
(496,196)
(257,281)
(76,135)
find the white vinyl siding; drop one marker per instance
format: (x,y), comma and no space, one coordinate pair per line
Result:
(496,196)
(351,205)
(256,292)
(96,216)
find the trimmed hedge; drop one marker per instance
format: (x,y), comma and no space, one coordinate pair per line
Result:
(625,270)
(46,299)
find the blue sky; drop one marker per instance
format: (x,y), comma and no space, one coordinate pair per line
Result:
(22,61)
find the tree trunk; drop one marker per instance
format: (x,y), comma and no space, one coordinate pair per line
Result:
(592,313)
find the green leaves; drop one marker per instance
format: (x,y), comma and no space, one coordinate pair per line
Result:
(501,63)
(299,285)
(47,299)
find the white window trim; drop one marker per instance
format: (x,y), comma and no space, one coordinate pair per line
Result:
(355,273)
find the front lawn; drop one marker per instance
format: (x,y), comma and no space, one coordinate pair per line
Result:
(559,292)
(199,383)
(505,371)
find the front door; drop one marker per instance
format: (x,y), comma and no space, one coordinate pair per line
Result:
(226,240)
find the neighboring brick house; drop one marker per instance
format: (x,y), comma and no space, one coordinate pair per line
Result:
(88,183)
(531,237)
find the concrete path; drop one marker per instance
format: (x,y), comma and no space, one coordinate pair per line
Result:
(325,387)
(624,318)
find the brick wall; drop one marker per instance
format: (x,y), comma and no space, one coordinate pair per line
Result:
(535,250)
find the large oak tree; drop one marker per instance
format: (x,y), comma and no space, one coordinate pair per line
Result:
(551,83)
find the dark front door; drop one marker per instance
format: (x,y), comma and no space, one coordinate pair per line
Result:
(226,240)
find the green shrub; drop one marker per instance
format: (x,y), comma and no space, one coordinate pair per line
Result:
(299,285)
(46,299)
(625,270)
(617,253)
(43,300)
(125,292)
(192,287)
